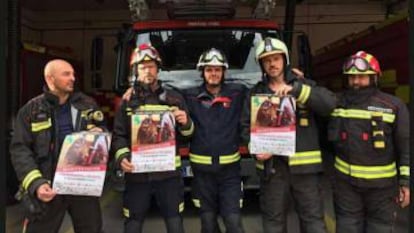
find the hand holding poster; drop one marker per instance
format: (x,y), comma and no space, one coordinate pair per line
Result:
(153,141)
(82,164)
(273,125)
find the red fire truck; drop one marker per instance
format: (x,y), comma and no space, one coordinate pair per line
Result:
(190,30)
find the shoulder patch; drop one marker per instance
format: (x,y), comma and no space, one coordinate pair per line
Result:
(98,116)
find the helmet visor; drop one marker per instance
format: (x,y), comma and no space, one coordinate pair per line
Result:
(358,63)
(146,54)
(210,56)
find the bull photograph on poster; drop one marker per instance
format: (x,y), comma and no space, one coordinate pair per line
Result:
(82,164)
(153,141)
(273,125)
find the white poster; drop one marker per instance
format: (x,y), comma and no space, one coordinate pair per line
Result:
(82,164)
(273,125)
(153,141)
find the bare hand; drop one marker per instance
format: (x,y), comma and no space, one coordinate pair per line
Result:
(283,90)
(404,196)
(128,93)
(96,129)
(263,157)
(298,73)
(126,165)
(45,193)
(181,117)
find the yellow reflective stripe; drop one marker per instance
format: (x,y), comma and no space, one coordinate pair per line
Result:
(200,159)
(405,170)
(189,131)
(223,159)
(260,165)
(125,211)
(38,126)
(366,172)
(90,126)
(226,159)
(121,152)
(361,114)
(196,203)
(241,203)
(177,161)
(304,94)
(181,207)
(28,179)
(155,107)
(307,157)
(378,132)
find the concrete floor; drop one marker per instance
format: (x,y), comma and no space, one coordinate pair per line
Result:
(113,222)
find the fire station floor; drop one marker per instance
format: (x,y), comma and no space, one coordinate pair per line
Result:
(111,203)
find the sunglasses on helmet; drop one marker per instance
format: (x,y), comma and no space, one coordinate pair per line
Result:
(359,63)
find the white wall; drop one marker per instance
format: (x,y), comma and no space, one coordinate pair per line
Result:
(75,30)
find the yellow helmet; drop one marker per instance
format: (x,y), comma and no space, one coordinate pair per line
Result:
(270,46)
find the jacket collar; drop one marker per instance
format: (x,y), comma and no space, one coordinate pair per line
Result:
(54,99)
(359,96)
(205,94)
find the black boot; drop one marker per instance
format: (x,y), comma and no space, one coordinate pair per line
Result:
(174,225)
(209,223)
(133,225)
(233,223)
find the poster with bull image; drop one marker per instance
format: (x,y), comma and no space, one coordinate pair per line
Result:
(82,164)
(153,141)
(273,125)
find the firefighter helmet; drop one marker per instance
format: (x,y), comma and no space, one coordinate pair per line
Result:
(212,57)
(270,46)
(145,52)
(361,63)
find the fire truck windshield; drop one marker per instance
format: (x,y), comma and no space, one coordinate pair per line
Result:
(180,50)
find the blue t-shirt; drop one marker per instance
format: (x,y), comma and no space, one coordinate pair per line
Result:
(64,122)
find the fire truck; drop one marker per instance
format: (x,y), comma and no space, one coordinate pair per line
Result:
(191,28)
(388,41)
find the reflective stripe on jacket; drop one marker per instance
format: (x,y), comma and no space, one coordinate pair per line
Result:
(312,101)
(34,147)
(370,131)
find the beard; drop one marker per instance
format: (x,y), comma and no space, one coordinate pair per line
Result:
(214,85)
(147,81)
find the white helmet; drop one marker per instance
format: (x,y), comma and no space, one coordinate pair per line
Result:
(212,57)
(270,46)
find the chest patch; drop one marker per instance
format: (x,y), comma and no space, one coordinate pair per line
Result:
(379,109)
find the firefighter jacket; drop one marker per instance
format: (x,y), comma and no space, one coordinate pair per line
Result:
(216,138)
(311,101)
(370,132)
(142,100)
(35,146)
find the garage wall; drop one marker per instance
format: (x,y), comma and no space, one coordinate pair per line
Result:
(73,31)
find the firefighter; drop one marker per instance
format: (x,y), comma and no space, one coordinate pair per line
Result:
(298,175)
(39,131)
(370,133)
(215,108)
(167,187)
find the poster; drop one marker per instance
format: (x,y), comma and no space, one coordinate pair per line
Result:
(273,125)
(153,141)
(82,164)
